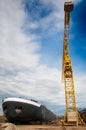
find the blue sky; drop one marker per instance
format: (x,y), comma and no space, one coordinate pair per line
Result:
(79,31)
(31,45)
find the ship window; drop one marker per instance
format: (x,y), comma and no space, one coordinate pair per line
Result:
(4,107)
(18,109)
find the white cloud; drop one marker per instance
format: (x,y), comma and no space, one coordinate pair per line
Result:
(80,88)
(16,47)
(21,72)
(42,83)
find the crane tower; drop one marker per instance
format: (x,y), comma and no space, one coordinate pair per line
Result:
(71,115)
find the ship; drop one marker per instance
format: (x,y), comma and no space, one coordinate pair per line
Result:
(24,110)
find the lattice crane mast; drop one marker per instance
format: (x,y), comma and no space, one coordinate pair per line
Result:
(71,115)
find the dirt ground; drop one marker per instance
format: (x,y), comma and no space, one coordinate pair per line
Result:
(10,126)
(46,127)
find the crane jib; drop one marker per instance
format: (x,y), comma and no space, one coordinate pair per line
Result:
(71,115)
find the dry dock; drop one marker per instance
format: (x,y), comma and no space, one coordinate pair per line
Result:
(46,127)
(10,126)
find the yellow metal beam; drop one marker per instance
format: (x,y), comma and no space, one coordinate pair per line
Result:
(71,115)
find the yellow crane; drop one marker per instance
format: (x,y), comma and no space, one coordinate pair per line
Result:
(72,115)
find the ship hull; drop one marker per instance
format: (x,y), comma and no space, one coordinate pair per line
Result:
(17,111)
